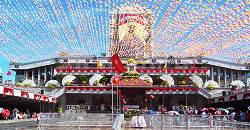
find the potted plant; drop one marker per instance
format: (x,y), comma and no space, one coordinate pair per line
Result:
(165,83)
(51,85)
(27,84)
(19,84)
(83,79)
(69,83)
(210,87)
(195,85)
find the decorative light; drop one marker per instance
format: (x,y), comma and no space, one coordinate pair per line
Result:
(214,29)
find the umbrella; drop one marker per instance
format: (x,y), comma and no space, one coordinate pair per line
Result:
(173,113)
(68,78)
(230,108)
(211,109)
(168,78)
(218,112)
(204,109)
(196,79)
(94,78)
(5,113)
(29,81)
(145,77)
(55,82)
(1,110)
(238,83)
(211,83)
(224,110)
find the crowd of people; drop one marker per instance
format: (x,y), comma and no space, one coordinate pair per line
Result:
(15,113)
(215,113)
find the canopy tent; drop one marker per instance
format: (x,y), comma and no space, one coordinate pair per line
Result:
(169,79)
(197,80)
(211,84)
(95,78)
(146,78)
(67,79)
(55,82)
(238,83)
(248,82)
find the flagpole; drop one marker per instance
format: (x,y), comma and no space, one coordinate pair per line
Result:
(112,108)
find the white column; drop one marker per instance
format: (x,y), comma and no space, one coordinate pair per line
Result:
(32,74)
(219,75)
(26,74)
(232,76)
(45,75)
(239,75)
(39,76)
(212,72)
(51,72)
(225,76)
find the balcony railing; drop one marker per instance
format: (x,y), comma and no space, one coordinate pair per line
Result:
(201,70)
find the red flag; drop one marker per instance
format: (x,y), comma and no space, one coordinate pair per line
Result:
(117,64)
(9,73)
(69,68)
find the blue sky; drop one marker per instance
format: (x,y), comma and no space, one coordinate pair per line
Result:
(4,65)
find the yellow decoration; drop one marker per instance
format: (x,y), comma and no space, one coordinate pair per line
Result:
(99,65)
(131,61)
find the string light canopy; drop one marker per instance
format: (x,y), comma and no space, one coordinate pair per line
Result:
(40,29)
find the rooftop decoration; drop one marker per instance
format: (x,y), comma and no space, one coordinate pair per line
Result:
(133,82)
(210,28)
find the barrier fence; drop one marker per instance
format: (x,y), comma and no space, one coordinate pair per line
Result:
(167,122)
(88,121)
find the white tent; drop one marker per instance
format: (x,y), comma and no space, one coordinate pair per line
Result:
(210,83)
(145,77)
(168,78)
(55,82)
(238,83)
(248,82)
(94,78)
(68,78)
(196,79)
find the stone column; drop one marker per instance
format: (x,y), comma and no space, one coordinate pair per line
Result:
(219,75)
(63,102)
(232,75)
(39,76)
(239,75)
(32,74)
(45,75)
(26,74)
(225,76)
(51,72)
(212,73)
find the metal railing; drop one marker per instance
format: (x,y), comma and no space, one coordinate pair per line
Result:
(119,120)
(167,122)
(80,121)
